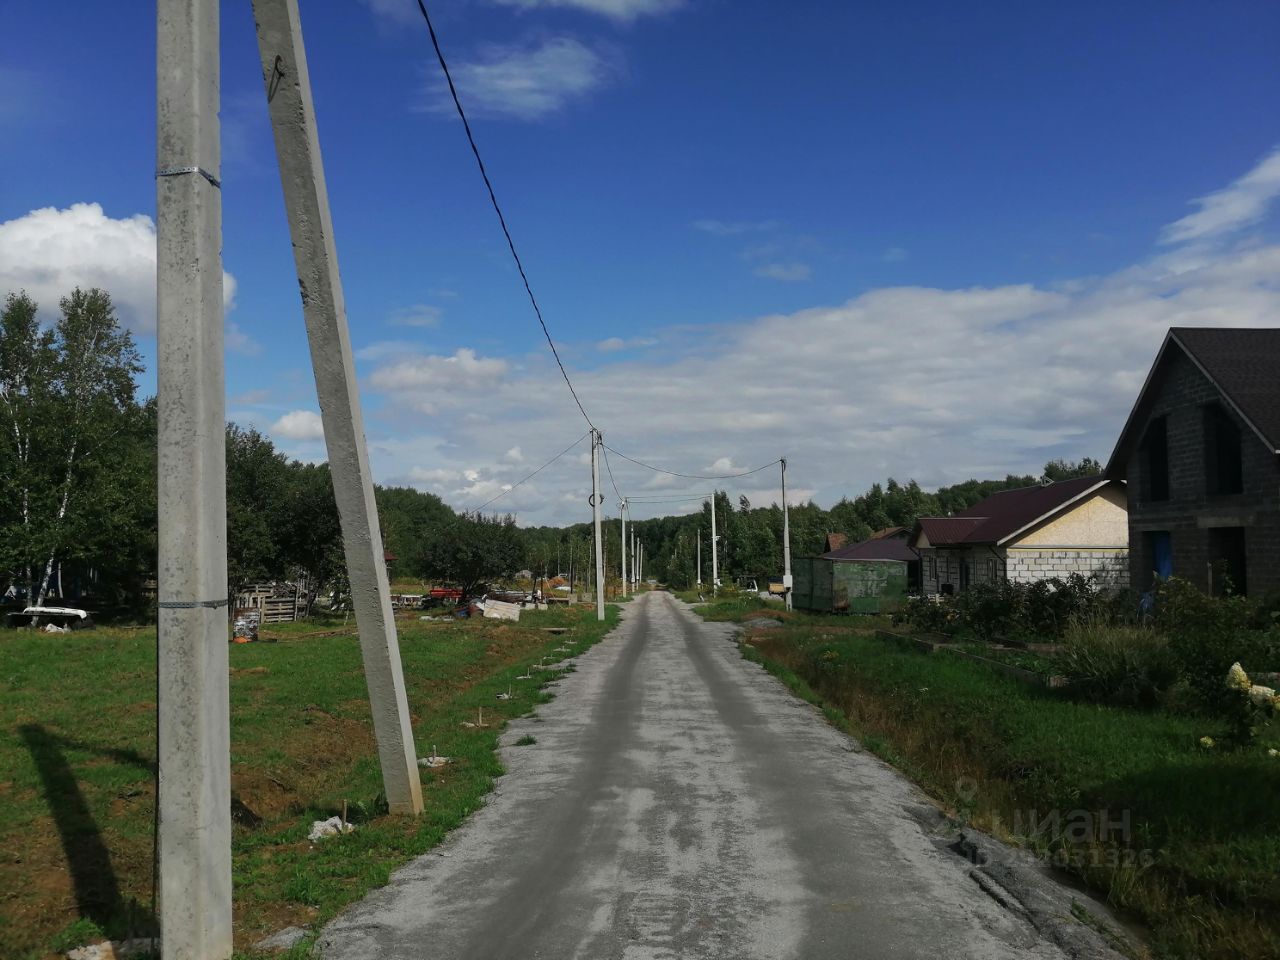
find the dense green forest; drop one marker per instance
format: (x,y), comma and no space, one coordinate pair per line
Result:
(78,488)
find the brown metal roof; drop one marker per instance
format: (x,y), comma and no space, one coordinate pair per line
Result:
(886,548)
(887,532)
(1240,362)
(945,531)
(1003,514)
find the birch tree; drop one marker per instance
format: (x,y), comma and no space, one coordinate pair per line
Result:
(27,361)
(93,387)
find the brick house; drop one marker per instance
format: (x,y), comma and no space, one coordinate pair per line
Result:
(1032,533)
(1201,454)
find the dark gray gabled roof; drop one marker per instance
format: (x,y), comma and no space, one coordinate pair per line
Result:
(1242,362)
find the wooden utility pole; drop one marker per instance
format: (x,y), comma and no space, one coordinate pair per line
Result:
(194,736)
(293,120)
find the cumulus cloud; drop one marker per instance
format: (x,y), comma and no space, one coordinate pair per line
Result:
(935,384)
(614,344)
(1241,204)
(299,425)
(526,82)
(434,375)
(623,10)
(48,252)
(793,272)
(418,315)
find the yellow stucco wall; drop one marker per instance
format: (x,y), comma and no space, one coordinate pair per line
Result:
(1100,521)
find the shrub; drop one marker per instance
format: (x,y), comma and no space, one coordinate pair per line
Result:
(927,616)
(995,609)
(1120,665)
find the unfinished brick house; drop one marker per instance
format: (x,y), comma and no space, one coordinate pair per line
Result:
(1201,454)
(1033,533)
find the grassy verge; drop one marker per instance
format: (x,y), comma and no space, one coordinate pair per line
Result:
(77,759)
(1190,838)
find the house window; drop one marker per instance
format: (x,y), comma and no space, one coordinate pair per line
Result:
(991,570)
(1227,562)
(1223,471)
(1155,449)
(933,567)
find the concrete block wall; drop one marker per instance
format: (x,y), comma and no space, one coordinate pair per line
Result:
(1110,568)
(1181,395)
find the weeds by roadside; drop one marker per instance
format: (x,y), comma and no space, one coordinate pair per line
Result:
(1128,800)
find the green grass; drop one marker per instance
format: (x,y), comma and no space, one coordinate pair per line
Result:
(1199,861)
(1023,659)
(76,766)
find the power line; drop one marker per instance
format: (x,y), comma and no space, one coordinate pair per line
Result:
(493,198)
(693,476)
(612,482)
(670,499)
(536,472)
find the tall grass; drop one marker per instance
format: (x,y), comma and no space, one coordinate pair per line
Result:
(1197,857)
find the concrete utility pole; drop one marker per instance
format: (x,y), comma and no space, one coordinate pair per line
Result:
(786,540)
(626,589)
(293,120)
(634,556)
(699,558)
(715,564)
(596,441)
(194,736)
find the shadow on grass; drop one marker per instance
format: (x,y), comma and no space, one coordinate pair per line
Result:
(97,889)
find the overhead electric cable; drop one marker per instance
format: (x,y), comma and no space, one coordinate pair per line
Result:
(693,476)
(536,472)
(613,483)
(493,198)
(671,499)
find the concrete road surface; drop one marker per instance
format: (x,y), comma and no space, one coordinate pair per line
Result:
(679,802)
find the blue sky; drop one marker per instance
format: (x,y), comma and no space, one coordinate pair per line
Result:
(928,240)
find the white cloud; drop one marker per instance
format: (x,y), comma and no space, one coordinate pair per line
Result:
(792,272)
(418,315)
(1241,204)
(913,382)
(237,341)
(396,11)
(725,228)
(299,425)
(437,375)
(614,344)
(251,398)
(526,82)
(515,456)
(624,10)
(48,252)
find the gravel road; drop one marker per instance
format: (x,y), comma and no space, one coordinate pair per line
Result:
(680,802)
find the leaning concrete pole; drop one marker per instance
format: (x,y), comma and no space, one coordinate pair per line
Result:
(284,65)
(596,440)
(786,539)
(194,738)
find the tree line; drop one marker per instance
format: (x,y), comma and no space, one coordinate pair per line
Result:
(78,494)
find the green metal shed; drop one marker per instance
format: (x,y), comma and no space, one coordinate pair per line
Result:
(870,577)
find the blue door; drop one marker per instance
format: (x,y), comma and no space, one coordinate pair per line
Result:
(1161,553)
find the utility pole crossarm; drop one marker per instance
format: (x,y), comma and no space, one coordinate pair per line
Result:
(293,121)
